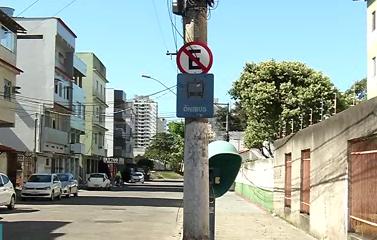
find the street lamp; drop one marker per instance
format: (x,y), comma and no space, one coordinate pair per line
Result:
(149,77)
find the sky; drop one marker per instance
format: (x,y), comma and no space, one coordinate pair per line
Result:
(131,37)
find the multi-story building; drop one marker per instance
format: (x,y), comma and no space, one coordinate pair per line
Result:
(372,48)
(145,123)
(42,128)
(120,124)
(161,125)
(8,73)
(77,117)
(94,85)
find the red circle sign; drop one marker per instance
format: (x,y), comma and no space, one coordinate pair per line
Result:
(194,58)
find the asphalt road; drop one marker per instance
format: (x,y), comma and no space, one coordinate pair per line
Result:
(135,211)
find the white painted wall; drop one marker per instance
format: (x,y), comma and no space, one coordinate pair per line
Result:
(256,172)
(109,122)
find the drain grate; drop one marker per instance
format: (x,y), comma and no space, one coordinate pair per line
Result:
(114,209)
(107,221)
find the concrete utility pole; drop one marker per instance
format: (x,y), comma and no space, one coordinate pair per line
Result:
(196,179)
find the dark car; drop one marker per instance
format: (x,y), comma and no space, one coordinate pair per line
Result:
(69,184)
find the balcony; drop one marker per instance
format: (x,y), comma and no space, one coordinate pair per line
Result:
(119,133)
(7,116)
(78,148)
(120,116)
(55,136)
(55,140)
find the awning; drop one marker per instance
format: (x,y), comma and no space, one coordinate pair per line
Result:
(4,148)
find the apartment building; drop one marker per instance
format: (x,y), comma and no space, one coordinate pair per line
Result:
(94,85)
(371,49)
(8,73)
(77,121)
(41,133)
(120,122)
(145,123)
(161,125)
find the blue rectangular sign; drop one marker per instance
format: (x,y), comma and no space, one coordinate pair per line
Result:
(195,95)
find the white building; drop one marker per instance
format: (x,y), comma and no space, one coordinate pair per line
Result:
(77,117)
(161,125)
(45,54)
(145,123)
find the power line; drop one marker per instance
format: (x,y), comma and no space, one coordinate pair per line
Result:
(27,8)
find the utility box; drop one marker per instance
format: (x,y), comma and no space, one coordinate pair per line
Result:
(224,164)
(179,7)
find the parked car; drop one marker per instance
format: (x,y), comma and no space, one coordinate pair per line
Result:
(7,194)
(69,184)
(137,177)
(42,186)
(99,180)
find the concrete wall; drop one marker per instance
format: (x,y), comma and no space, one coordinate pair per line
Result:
(328,144)
(255,180)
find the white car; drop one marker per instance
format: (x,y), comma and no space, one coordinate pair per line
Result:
(42,186)
(7,194)
(99,180)
(137,177)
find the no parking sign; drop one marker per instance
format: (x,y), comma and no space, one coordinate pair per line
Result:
(194,58)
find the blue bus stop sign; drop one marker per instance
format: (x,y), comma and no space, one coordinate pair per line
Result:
(195,95)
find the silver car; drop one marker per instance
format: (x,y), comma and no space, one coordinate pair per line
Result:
(69,184)
(42,186)
(7,194)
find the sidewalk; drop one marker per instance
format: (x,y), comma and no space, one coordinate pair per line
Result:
(238,219)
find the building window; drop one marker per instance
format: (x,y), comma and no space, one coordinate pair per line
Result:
(305,182)
(7,89)
(96,86)
(60,89)
(53,123)
(7,39)
(288,180)
(95,138)
(374,68)
(61,58)
(373,20)
(56,88)
(73,137)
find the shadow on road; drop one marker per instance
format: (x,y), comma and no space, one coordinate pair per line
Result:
(149,188)
(113,201)
(18,210)
(32,230)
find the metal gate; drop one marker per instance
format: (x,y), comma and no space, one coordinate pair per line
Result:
(363,187)
(25,167)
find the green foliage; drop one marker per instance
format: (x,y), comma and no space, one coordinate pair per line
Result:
(168,148)
(237,118)
(357,92)
(145,163)
(275,94)
(177,128)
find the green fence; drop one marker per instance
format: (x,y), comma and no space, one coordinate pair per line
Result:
(259,196)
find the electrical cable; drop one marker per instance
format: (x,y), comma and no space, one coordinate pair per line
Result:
(27,8)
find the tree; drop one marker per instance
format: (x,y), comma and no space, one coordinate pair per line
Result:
(168,148)
(280,98)
(177,128)
(357,92)
(237,118)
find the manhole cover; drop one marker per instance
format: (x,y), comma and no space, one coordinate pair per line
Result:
(107,221)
